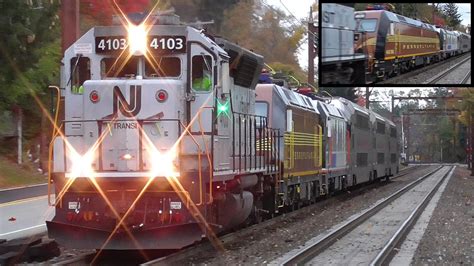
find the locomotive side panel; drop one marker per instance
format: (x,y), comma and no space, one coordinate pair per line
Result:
(395,43)
(338,27)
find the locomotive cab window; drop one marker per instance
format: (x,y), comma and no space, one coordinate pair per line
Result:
(80,72)
(367,25)
(163,67)
(201,73)
(114,68)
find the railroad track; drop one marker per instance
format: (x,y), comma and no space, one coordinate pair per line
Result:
(354,229)
(467,77)
(82,259)
(176,258)
(404,76)
(450,70)
(195,250)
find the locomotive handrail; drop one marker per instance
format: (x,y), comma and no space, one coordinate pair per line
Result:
(208,156)
(199,163)
(54,134)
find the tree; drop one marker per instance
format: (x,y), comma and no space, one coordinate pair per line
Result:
(29,61)
(450,11)
(267,31)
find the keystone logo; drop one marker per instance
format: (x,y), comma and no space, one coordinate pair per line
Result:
(128,109)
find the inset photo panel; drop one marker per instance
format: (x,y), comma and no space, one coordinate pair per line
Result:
(394,44)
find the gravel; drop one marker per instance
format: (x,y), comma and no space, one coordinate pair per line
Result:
(457,75)
(449,238)
(262,244)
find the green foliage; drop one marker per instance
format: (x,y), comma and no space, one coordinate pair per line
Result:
(29,59)
(450,10)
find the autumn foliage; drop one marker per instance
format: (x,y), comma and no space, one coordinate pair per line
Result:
(101,12)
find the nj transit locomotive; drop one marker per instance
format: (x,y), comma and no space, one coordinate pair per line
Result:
(392,43)
(147,159)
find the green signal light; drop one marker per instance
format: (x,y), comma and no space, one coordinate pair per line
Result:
(223,108)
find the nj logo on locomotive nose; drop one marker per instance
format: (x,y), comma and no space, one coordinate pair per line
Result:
(128,109)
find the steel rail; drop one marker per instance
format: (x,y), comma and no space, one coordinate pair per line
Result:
(466,78)
(415,72)
(194,250)
(443,74)
(311,251)
(387,252)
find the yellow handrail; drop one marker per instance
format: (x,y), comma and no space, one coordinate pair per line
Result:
(199,162)
(208,157)
(53,136)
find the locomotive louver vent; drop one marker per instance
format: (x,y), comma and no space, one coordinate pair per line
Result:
(245,71)
(401,18)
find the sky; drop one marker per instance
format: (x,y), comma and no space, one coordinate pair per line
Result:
(301,11)
(465,11)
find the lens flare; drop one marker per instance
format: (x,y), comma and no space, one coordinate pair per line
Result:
(137,39)
(82,164)
(162,163)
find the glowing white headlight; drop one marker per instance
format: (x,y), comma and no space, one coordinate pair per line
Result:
(137,39)
(82,165)
(162,164)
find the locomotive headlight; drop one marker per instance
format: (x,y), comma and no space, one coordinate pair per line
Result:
(162,163)
(81,166)
(137,39)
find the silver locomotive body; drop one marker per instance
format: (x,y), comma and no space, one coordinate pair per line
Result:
(157,146)
(340,63)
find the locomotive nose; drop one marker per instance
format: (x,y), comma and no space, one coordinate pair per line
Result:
(137,121)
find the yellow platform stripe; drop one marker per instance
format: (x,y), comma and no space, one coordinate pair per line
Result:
(16,202)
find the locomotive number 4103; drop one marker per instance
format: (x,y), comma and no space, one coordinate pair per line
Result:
(109,44)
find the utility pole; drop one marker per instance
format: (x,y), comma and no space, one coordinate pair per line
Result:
(19,128)
(69,22)
(468,140)
(471,125)
(312,47)
(367,96)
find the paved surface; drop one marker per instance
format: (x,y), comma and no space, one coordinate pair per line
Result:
(457,75)
(24,217)
(449,238)
(423,74)
(410,244)
(7,195)
(362,245)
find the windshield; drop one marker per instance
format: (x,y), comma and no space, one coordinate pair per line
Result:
(163,67)
(367,25)
(160,67)
(111,67)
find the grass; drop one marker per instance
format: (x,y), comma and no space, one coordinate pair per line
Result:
(14,175)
